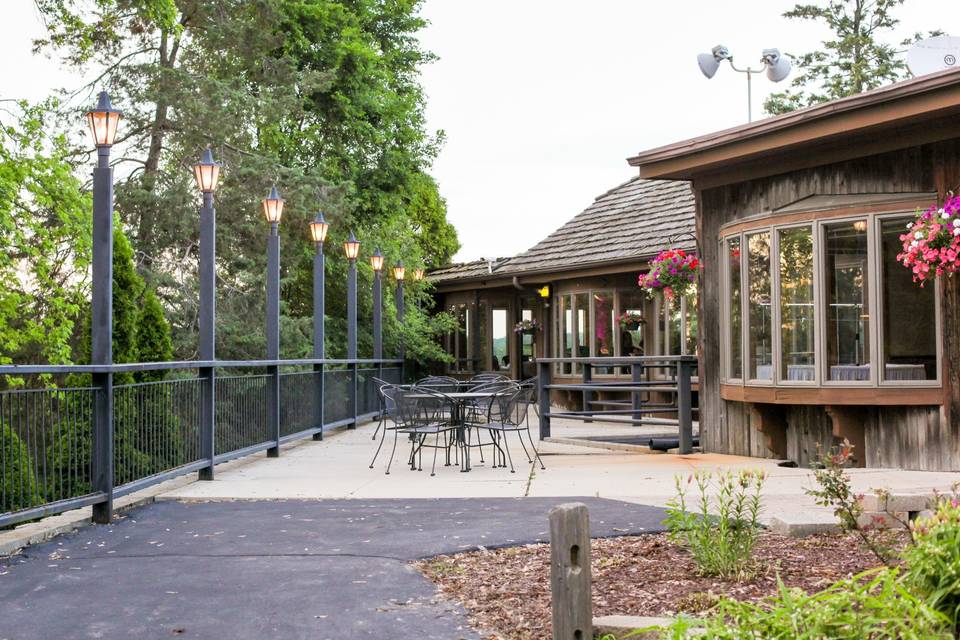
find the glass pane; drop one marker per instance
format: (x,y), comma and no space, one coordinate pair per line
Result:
(565,330)
(527,337)
(500,358)
(481,363)
(796,304)
(759,329)
(583,325)
(604,335)
(674,340)
(845,281)
(909,313)
(462,341)
(735,338)
(690,334)
(528,344)
(631,322)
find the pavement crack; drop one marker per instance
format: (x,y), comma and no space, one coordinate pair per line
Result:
(141,556)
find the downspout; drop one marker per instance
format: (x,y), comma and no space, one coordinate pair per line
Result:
(517,285)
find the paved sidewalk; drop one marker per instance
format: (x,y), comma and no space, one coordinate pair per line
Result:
(338,468)
(324,570)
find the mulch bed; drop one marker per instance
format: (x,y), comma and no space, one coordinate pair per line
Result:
(507,591)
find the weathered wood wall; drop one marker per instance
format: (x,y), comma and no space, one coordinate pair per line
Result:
(908,437)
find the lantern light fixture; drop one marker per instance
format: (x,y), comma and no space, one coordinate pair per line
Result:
(318,229)
(207,172)
(273,206)
(103,120)
(351,247)
(399,271)
(376,260)
(418,274)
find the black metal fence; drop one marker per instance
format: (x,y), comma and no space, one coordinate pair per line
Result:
(660,392)
(66,447)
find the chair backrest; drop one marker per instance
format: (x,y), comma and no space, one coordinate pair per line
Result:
(389,394)
(488,377)
(512,408)
(495,385)
(421,406)
(439,383)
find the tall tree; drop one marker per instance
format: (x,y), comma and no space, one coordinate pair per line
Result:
(320,96)
(855,59)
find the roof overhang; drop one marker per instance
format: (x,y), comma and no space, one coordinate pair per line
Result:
(901,115)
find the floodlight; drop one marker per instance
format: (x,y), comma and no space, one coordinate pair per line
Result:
(778,66)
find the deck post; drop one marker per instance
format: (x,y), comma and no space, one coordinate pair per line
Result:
(685,404)
(587,395)
(570,580)
(543,398)
(354,376)
(636,377)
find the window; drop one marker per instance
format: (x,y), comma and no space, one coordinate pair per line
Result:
(760,320)
(795,256)
(845,281)
(846,311)
(735,316)
(565,330)
(582,311)
(604,333)
(500,358)
(908,313)
(460,342)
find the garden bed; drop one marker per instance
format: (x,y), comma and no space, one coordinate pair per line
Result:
(507,591)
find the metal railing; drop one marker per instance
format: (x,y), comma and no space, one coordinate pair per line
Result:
(88,443)
(659,386)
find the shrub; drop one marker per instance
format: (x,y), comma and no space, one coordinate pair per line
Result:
(18,482)
(834,490)
(874,605)
(933,562)
(721,545)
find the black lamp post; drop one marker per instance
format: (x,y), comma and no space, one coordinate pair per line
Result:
(207,174)
(398,273)
(352,249)
(272,211)
(318,233)
(103,120)
(376,261)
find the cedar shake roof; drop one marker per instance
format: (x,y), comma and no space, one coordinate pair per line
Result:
(629,223)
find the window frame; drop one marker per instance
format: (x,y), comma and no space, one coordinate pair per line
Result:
(876,327)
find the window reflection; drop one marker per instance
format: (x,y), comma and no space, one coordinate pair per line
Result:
(796,304)
(500,358)
(847,293)
(909,313)
(565,330)
(759,329)
(735,337)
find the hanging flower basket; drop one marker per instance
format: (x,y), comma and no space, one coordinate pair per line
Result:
(672,273)
(931,245)
(630,321)
(526,326)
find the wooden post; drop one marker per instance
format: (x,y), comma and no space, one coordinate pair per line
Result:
(543,398)
(570,581)
(587,395)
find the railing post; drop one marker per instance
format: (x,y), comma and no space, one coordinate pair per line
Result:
(318,408)
(102,333)
(543,398)
(684,405)
(570,579)
(353,393)
(587,395)
(636,377)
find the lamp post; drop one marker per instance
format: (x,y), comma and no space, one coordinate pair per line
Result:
(318,233)
(352,249)
(376,261)
(418,277)
(207,174)
(103,120)
(398,274)
(776,66)
(272,211)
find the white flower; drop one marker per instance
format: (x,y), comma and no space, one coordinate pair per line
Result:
(914,243)
(945,214)
(909,226)
(956,231)
(918,235)
(940,211)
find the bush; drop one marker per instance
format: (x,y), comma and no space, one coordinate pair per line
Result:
(874,605)
(18,482)
(721,545)
(933,562)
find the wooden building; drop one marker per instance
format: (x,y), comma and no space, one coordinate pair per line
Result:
(577,284)
(811,330)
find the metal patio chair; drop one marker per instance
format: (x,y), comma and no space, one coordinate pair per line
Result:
(389,418)
(422,413)
(511,414)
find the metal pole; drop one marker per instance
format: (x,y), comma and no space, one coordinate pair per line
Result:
(749,96)
(543,398)
(685,404)
(273,335)
(352,310)
(319,282)
(207,321)
(102,334)
(377,315)
(400,313)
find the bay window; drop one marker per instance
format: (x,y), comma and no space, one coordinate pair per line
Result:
(825,302)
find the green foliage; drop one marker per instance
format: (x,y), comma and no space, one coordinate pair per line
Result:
(853,60)
(874,605)
(153,335)
(835,491)
(721,544)
(933,562)
(19,489)
(45,234)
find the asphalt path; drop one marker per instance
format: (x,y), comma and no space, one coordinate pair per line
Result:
(321,569)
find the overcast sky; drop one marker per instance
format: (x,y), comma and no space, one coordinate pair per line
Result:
(542,101)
